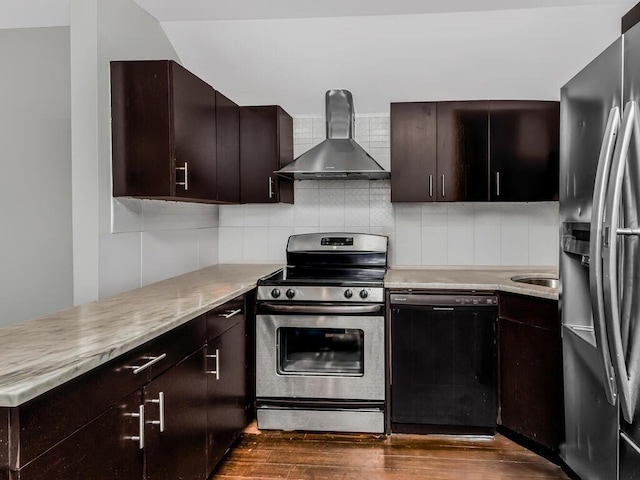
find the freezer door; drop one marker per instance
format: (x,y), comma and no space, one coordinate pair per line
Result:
(587,136)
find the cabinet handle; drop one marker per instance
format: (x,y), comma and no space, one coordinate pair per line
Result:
(215,372)
(431,185)
(140,416)
(230,313)
(497,184)
(160,402)
(152,361)
(442,186)
(270,187)
(186,176)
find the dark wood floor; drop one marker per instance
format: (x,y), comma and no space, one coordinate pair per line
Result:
(268,455)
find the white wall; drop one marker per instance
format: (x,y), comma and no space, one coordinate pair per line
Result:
(119,245)
(35,184)
(419,234)
(507,54)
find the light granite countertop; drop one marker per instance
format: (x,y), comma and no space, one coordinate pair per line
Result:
(41,354)
(471,278)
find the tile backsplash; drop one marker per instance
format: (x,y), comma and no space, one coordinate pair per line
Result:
(419,234)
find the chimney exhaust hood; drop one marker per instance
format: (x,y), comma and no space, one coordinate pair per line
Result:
(339,157)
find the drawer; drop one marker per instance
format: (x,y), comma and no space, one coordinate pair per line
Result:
(175,345)
(224,317)
(536,312)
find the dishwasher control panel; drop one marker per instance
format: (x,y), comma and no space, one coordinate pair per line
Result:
(446,300)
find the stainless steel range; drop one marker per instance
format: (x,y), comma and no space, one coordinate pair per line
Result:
(320,345)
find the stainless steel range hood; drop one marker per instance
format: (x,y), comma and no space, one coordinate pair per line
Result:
(339,156)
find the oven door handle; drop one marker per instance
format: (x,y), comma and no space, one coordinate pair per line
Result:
(321,309)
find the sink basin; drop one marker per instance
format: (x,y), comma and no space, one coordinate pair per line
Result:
(543,280)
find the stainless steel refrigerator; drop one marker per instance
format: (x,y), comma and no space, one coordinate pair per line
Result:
(600,263)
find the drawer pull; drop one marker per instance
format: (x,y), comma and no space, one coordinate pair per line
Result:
(230,313)
(152,361)
(160,402)
(215,372)
(140,416)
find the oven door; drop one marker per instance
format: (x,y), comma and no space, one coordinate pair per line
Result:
(315,356)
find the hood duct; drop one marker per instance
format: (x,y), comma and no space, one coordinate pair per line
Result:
(339,157)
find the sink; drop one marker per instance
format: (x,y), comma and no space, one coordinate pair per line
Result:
(542,280)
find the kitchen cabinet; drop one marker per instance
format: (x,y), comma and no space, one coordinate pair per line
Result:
(163,132)
(524,150)
(474,151)
(175,422)
(143,415)
(413,152)
(227,149)
(266,145)
(530,376)
(439,151)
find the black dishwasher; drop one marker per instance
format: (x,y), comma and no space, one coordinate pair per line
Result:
(443,363)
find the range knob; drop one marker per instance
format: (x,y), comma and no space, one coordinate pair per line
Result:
(291,293)
(364,294)
(348,293)
(275,293)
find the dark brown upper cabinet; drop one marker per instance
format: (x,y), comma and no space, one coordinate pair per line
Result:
(413,152)
(227,149)
(474,151)
(439,151)
(523,148)
(163,132)
(463,135)
(266,145)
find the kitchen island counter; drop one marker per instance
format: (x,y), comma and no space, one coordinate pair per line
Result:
(41,354)
(496,279)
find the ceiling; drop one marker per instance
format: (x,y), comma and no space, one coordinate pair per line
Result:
(40,13)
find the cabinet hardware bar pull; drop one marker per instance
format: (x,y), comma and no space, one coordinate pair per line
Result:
(140,416)
(152,361)
(270,187)
(186,176)
(628,231)
(160,402)
(442,186)
(497,184)
(230,313)
(444,309)
(215,372)
(431,185)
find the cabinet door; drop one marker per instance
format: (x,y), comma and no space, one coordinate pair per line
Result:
(228,149)
(413,152)
(266,144)
(101,450)
(194,135)
(463,165)
(180,450)
(226,392)
(524,150)
(531,382)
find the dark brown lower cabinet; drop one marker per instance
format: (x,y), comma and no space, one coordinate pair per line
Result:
(177,423)
(105,449)
(226,392)
(530,377)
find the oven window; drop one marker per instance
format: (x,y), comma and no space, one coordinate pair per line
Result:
(321,351)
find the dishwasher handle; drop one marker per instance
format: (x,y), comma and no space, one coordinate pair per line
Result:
(443,300)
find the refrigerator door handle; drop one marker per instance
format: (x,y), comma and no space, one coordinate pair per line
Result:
(628,380)
(595,251)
